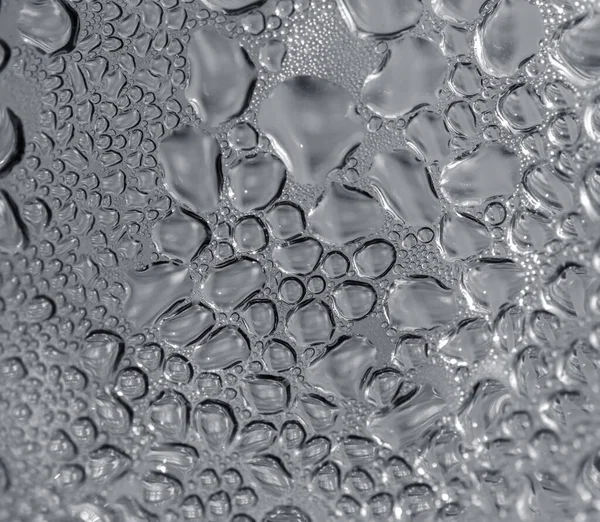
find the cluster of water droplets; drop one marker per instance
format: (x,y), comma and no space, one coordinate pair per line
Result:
(299,260)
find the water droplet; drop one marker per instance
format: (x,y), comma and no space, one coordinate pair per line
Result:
(578,49)
(49,25)
(224,348)
(181,235)
(172,282)
(311,323)
(300,256)
(229,285)
(420,302)
(390,92)
(190,159)
(490,282)
(344,214)
(216,423)
(509,35)
(344,367)
(405,188)
(255,182)
(353,300)
(462,184)
(11,140)
(222,76)
(382,18)
(13,234)
(311,124)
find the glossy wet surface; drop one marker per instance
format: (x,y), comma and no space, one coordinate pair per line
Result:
(299,260)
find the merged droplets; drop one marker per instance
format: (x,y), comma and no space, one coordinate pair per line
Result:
(10,138)
(190,159)
(48,25)
(382,18)
(233,6)
(172,282)
(508,35)
(13,234)
(312,126)
(578,49)
(404,186)
(491,282)
(390,92)
(223,349)
(222,76)
(344,214)
(255,181)
(420,302)
(461,181)
(228,285)
(181,235)
(343,368)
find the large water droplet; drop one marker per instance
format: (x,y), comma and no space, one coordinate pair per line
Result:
(380,18)
(101,353)
(374,259)
(390,92)
(11,141)
(313,126)
(463,236)
(491,170)
(225,348)
(509,35)
(216,423)
(409,419)
(192,159)
(184,325)
(520,108)
(233,6)
(344,367)
(49,25)
(298,257)
(169,281)
(353,300)
(578,49)
(255,182)
(222,76)
(270,472)
(420,302)
(491,282)
(270,395)
(311,323)
(457,10)
(181,235)
(405,187)
(344,214)
(13,234)
(229,285)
